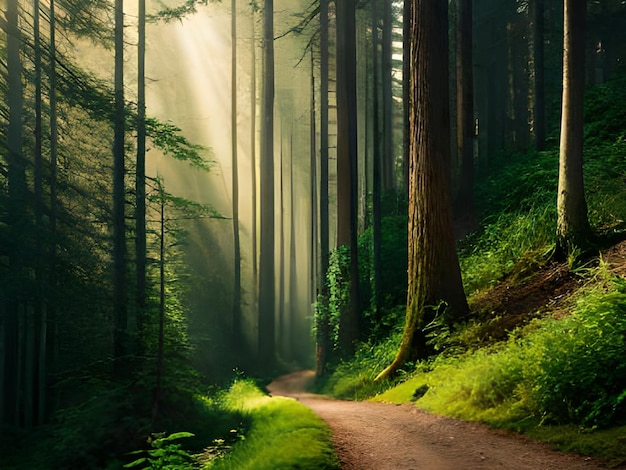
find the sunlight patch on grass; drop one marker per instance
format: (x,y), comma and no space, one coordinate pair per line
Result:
(283,434)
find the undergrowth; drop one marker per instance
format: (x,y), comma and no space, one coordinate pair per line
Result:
(282,434)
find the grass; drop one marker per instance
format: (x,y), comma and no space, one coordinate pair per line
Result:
(283,434)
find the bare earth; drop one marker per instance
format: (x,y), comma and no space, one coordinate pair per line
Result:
(376,436)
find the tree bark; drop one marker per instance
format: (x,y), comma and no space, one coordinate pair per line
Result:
(322,326)
(539,115)
(237,320)
(465,109)
(434,278)
(573,231)
(16,212)
(266,267)
(140,175)
(120,313)
(347,174)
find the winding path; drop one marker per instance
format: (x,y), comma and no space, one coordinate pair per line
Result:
(376,436)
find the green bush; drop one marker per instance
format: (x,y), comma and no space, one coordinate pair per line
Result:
(574,369)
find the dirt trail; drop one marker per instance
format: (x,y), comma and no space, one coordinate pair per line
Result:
(376,436)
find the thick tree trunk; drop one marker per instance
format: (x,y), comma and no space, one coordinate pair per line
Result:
(434,278)
(347,190)
(573,229)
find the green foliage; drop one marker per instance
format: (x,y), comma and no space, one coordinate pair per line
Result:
(519,221)
(605,111)
(526,236)
(338,279)
(574,368)
(165,454)
(283,434)
(353,379)
(564,371)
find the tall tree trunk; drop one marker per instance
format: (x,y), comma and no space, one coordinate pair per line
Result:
(347,191)
(388,167)
(52,345)
(434,277)
(140,176)
(406,90)
(465,109)
(282,321)
(377,170)
(322,326)
(237,320)
(36,314)
(253,84)
(573,229)
(266,269)
(157,392)
(16,212)
(120,313)
(314,274)
(539,114)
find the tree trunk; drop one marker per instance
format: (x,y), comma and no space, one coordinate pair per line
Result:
(347,190)
(377,171)
(16,212)
(539,115)
(573,229)
(388,162)
(53,345)
(140,176)
(266,269)
(434,278)
(253,84)
(120,313)
(465,109)
(322,326)
(237,320)
(406,90)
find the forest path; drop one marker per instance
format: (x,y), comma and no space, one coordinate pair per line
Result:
(377,436)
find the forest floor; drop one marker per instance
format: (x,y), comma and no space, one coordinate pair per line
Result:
(377,436)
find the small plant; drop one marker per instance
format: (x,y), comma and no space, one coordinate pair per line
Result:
(165,454)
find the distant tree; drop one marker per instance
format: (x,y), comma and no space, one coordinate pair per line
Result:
(120,311)
(237,321)
(465,108)
(377,169)
(266,261)
(140,171)
(388,166)
(16,179)
(322,326)
(539,124)
(573,229)
(434,278)
(253,173)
